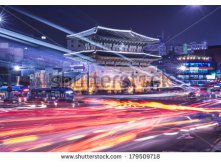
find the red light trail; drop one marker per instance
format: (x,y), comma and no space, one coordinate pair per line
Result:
(101,127)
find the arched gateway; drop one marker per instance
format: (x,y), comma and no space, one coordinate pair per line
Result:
(116,61)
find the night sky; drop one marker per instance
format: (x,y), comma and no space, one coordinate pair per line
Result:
(148,20)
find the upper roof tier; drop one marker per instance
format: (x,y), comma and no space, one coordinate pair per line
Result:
(117,34)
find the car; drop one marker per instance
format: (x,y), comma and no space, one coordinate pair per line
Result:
(215,92)
(21,98)
(203,93)
(192,96)
(12,99)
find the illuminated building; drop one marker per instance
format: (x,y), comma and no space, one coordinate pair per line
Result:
(116,56)
(36,60)
(196,70)
(177,48)
(191,47)
(215,53)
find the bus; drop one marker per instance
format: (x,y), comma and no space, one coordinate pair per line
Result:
(51,95)
(17,93)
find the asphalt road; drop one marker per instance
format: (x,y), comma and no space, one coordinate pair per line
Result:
(98,124)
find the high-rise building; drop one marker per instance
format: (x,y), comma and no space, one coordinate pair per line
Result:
(196,70)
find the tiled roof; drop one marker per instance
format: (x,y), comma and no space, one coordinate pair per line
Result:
(127,35)
(114,54)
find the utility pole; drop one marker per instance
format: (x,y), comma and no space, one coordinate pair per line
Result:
(8,93)
(88,78)
(9,76)
(62,78)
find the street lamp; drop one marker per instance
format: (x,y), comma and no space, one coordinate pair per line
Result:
(182,68)
(2,20)
(17,68)
(43,37)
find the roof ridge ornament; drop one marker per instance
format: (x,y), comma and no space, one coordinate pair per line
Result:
(112,29)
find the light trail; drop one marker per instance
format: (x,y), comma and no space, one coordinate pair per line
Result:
(31,40)
(42,20)
(19,140)
(163,106)
(98,128)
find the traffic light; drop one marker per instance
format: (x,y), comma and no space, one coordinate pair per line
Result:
(9,88)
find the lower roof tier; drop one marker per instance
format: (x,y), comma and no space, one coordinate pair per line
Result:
(93,55)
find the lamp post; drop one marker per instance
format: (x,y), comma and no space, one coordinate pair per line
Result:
(17,68)
(1,20)
(43,37)
(88,79)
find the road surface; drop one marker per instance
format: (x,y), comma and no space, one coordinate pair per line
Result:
(110,125)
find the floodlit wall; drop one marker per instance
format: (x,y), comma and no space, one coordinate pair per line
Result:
(106,79)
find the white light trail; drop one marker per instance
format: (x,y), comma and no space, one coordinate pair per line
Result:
(31,40)
(147,138)
(43,21)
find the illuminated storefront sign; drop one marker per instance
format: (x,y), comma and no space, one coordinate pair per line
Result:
(212,76)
